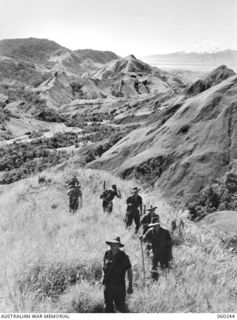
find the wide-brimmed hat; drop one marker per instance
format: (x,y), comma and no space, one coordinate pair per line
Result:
(151,208)
(135,189)
(155,221)
(115,240)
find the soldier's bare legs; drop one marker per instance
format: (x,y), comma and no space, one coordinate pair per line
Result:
(114,296)
(154,271)
(137,222)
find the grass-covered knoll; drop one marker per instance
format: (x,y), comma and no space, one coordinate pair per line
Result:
(51,261)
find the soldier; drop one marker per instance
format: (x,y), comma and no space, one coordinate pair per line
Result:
(73,182)
(147,218)
(146,221)
(115,265)
(161,243)
(134,209)
(108,197)
(74,194)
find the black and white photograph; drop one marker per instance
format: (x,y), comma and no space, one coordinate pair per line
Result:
(118,158)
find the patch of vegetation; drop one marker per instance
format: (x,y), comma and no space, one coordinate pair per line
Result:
(5,115)
(94,152)
(49,115)
(20,92)
(5,134)
(149,171)
(109,138)
(76,89)
(22,72)
(82,298)
(35,134)
(31,166)
(230,242)
(52,280)
(81,119)
(218,195)
(19,160)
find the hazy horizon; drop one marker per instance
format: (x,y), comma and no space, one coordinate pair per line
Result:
(148,55)
(141,28)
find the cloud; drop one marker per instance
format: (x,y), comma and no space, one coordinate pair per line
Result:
(204,46)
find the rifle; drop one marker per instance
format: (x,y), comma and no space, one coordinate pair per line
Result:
(104,185)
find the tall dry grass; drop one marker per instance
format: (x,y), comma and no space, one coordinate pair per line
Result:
(51,260)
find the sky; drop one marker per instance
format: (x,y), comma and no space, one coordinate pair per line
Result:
(140,27)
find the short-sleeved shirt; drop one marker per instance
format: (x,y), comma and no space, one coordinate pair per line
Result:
(161,240)
(115,267)
(73,182)
(108,195)
(75,192)
(134,203)
(146,219)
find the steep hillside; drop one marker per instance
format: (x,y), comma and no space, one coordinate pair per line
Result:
(125,65)
(130,76)
(211,79)
(183,146)
(31,49)
(97,56)
(49,268)
(20,72)
(221,221)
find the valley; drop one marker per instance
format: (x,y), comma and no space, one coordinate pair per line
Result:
(111,119)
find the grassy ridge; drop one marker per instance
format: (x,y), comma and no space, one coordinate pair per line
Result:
(51,261)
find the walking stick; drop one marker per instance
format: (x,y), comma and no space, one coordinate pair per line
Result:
(143,265)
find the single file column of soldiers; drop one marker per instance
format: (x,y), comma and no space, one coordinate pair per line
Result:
(116,264)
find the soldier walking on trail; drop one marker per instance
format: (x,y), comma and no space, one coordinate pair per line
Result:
(134,209)
(161,243)
(147,218)
(74,181)
(108,197)
(115,266)
(75,195)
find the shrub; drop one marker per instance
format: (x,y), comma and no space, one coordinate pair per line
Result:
(76,88)
(51,280)
(220,194)
(49,115)
(230,242)
(35,134)
(22,159)
(83,298)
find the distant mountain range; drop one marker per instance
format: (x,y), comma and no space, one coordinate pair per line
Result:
(228,57)
(51,69)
